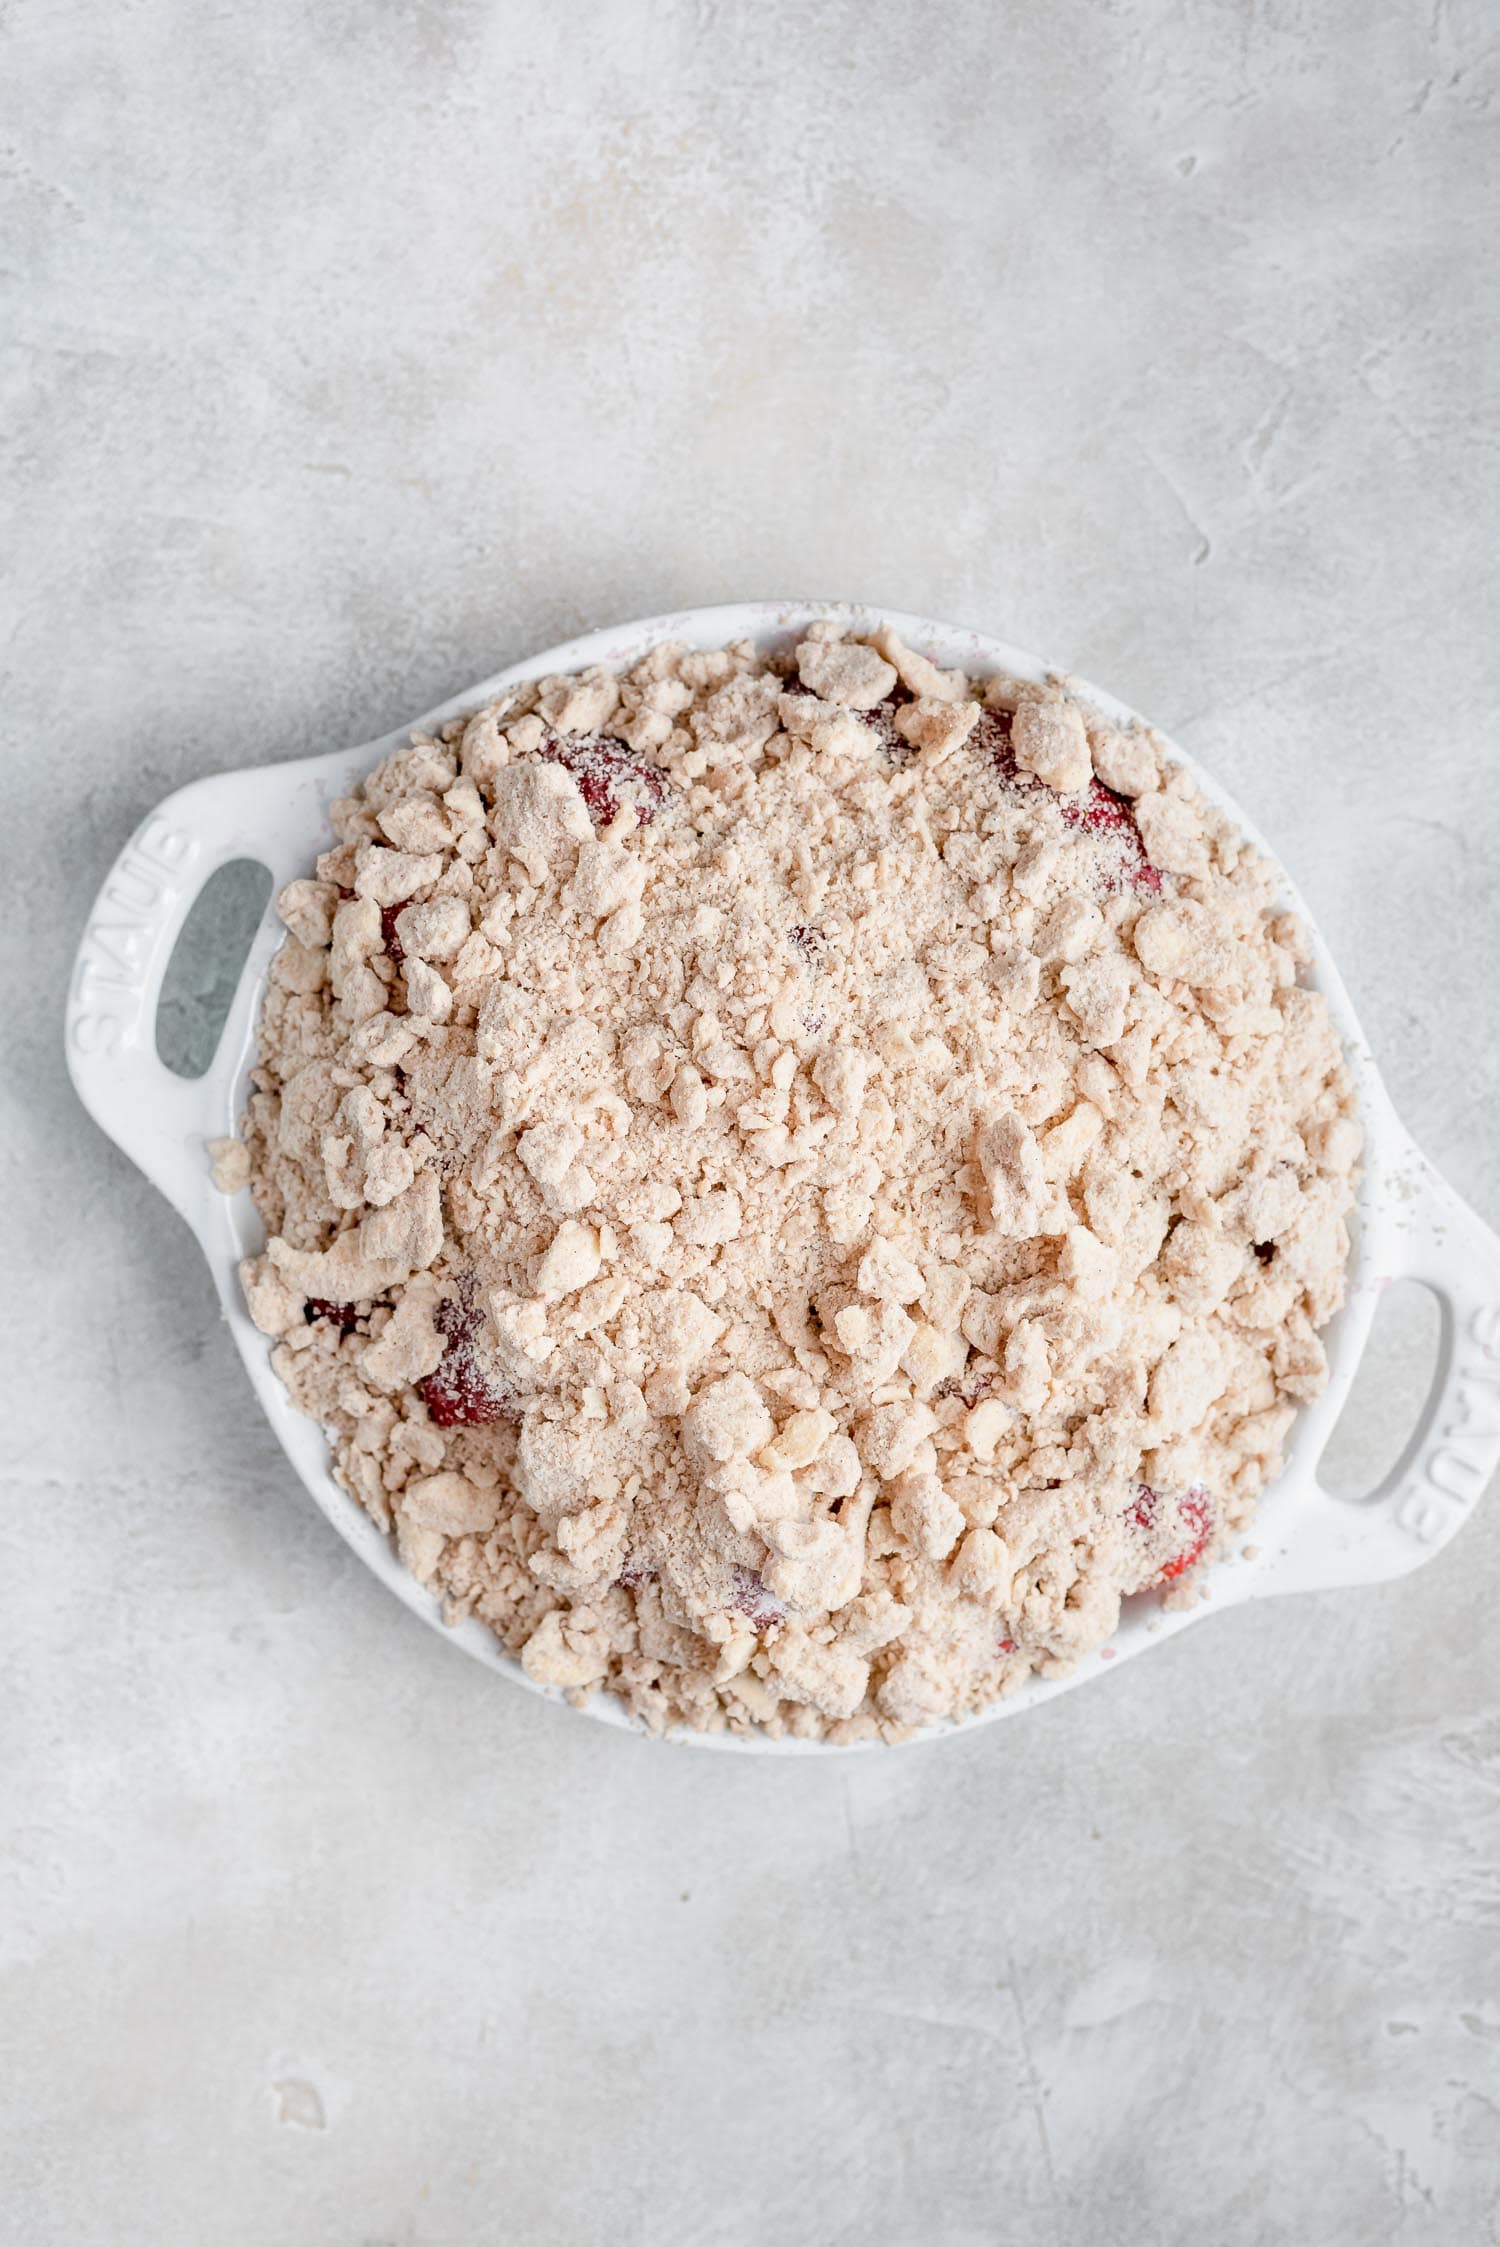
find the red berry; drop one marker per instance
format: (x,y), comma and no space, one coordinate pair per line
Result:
(1194,1515)
(1193,1512)
(388,936)
(760,1607)
(604,770)
(1095,810)
(344,1316)
(882,723)
(969,1393)
(992,735)
(461,1393)
(1099,811)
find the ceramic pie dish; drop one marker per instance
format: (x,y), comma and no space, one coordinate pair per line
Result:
(1408,1223)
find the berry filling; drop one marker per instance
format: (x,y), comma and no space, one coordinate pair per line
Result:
(969,1393)
(1101,812)
(607,773)
(1095,810)
(345,1316)
(759,1607)
(1194,1515)
(882,723)
(395,950)
(633,1575)
(460,1392)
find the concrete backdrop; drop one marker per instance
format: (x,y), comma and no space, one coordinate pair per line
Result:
(350,352)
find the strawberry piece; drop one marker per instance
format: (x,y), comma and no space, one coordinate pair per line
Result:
(1194,1515)
(460,1392)
(1141,1512)
(969,1393)
(760,1607)
(881,721)
(345,1316)
(1193,1512)
(1095,810)
(1007,1646)
(388,937)
(604,769)
(1099,811)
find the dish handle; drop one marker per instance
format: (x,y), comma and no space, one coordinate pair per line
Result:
(133,925)
(1454,1450)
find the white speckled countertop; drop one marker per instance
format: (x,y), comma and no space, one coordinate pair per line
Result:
(350,353)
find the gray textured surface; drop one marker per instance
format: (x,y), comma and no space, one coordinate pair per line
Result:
(349,353)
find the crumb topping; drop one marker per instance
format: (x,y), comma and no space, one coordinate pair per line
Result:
(795,1182)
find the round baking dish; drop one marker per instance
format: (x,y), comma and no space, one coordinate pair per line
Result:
(1408,1223)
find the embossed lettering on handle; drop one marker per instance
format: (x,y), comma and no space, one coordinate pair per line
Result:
(1456,1461)
(115,958)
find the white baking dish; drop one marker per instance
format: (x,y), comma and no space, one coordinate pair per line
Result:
(1408,1224)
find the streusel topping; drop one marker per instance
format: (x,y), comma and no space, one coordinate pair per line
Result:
(795,1182)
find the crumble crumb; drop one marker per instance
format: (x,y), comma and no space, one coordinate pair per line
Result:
(795,1183)
(229,1164)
